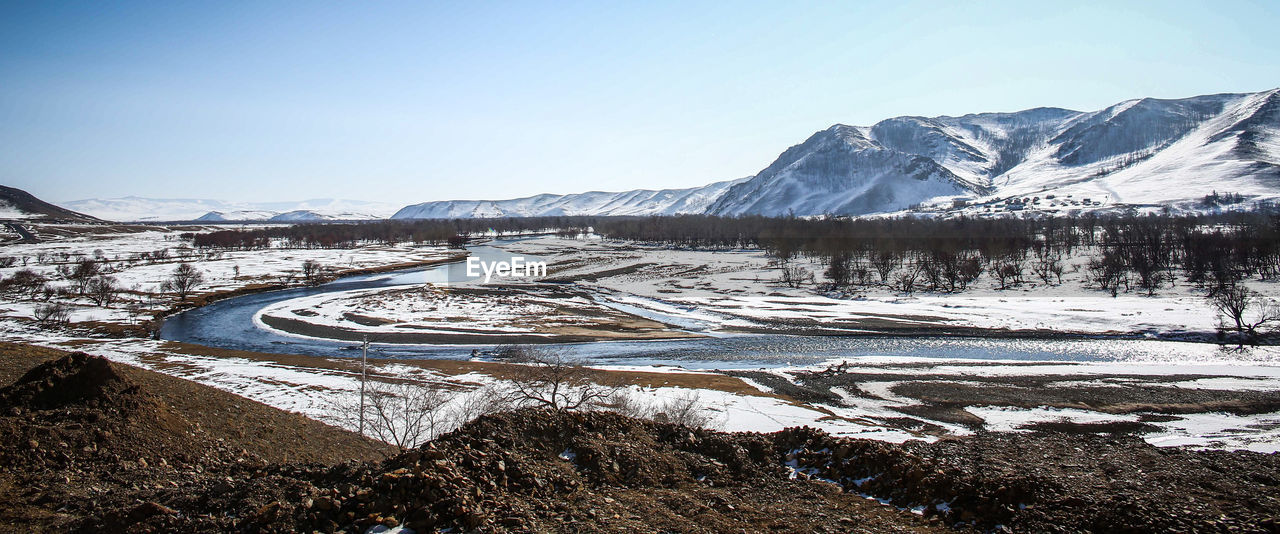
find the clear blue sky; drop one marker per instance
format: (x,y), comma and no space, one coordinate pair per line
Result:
(415,101)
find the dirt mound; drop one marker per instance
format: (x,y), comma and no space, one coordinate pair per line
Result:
(540,471)
(74,379)
(1053,481)
(536,470)
(190,458)
(82,439)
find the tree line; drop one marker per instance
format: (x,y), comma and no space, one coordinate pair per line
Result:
(453,232)
(1125,252)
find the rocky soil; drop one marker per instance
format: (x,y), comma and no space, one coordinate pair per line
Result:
(86,445)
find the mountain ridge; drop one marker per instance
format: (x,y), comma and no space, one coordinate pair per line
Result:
(1142,152)
(16,204)
(632,202)
(145,209)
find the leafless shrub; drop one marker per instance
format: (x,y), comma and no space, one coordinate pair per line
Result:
(486,400)
(52,313)
(550,379)
(402,413)
(795,276)
(687,410)
(623,402)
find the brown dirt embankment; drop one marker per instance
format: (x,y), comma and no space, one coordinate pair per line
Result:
(89,445)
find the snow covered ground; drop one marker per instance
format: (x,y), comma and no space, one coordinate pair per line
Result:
(728,289)
(130,258)
(314,390)
(460,309)
(713,291)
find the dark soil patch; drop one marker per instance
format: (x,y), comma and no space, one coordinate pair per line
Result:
(944,413)
(1111,427)
(782,386)
(1121,399)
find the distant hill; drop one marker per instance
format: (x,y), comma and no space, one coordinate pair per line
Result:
(141,209)
(637,202)
(1143,153)
(19,205)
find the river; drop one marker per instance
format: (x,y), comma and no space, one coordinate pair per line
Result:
(229,324)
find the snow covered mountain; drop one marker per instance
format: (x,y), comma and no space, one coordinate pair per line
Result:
(840,170)
(636,202)
(168,209)
(1145,153)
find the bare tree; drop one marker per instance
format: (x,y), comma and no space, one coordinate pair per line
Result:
(1108,272)
(84,273)
(1249,311)
(136,308)
(885,261)
(550,379)
(1231,302)
(860,275)
(406,414)
(25,282)
(183,281)
(286,277)
(1049,269)
(103,290)
(1148,268)
(838,270)
(907,279)
(312,272)
(1007,272)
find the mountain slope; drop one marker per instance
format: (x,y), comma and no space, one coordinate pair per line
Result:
(840,170)
(1154,152)
(636,202)
(16,204)
(1143,152)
